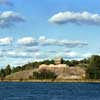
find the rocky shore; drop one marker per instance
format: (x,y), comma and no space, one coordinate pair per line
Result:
(53,81)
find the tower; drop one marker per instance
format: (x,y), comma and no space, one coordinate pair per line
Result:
(58,60)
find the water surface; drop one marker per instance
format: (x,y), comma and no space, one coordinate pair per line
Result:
(49,91)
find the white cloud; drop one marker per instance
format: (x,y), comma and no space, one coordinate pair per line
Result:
(71,54)
(42,38)
(86,55)
(49,42)
(78,55)
(70,43)
(31,49)
(43,41)
(1,54)
(52,51)
(56,42)
(10,18)
(16,54)
(37,54)
(76,18)
(40,56)
(5,41)
(27,41)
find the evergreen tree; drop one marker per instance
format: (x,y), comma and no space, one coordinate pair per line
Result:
(94,67)
(8,70)
(2,73)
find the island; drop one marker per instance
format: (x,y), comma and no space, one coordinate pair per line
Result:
(56,70)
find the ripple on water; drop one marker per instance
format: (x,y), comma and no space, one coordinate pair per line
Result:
(49,91)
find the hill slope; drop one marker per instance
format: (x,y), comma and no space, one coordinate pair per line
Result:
(26,74)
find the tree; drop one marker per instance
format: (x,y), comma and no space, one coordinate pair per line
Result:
(48,62)
(44,75)
(74,62)
(62,60)
(2,73)
(16,69)
(71,63)
(93,70)
(84,61)
(8,70)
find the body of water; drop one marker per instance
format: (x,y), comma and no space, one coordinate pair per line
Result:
(49,91)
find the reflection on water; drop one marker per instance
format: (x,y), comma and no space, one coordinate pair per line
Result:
(49,91)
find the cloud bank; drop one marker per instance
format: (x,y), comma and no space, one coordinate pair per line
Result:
(86,18)
(56,42)
(43,41)
(33,49)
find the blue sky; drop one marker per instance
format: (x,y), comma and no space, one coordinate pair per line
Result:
(43,29)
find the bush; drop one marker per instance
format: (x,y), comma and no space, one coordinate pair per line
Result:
(30,77)
(21,79)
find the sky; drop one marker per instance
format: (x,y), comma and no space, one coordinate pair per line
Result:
(34,30)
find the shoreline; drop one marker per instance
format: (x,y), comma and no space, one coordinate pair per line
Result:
(54,81)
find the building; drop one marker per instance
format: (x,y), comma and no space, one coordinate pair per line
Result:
(58,60)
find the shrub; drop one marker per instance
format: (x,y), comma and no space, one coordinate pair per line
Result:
(21,79)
